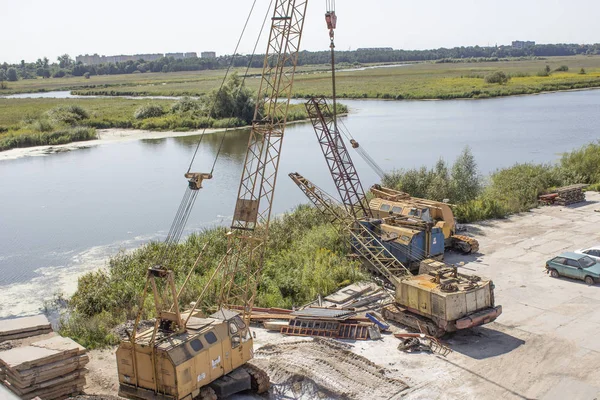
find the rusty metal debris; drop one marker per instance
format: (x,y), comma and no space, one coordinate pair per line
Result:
(418,342)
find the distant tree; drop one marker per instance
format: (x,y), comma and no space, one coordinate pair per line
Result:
(59,74)
(11,74)
(2,75)
(86,75)
(43,72)
(562,68)
(22,64)
(45,62)
(234,100)
(78,70)
(582,71)
(466,184)
(548,69)
(65,61)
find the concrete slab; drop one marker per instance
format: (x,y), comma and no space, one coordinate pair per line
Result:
(546,322)
(61,344)
(569,388)
(21,358)
(582,332)
(351,292)
(24,324)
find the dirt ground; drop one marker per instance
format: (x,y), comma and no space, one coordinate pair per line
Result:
(545,345)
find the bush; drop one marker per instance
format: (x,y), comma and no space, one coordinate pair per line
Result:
(460,185)
(562,68)
(69,115)
(305,257)
(498,77)
(582,165)
(186,105)
(480,209)
(519,186)
(90,332)
(582,71)
(11,141)
(148,111)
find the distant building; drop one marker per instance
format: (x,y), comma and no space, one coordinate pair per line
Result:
(96,59)
(519,44)
(208,54)
(375,49)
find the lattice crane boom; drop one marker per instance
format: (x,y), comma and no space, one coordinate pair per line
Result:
(364,242)
(341,167)
(250,226)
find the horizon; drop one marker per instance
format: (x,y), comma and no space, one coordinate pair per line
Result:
(53,60)
(184,25)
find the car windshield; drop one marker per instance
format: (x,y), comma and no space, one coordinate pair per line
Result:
(586,262)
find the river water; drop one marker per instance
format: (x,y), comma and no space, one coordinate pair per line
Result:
(65,213)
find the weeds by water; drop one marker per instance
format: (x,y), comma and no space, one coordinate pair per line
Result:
(506,191)
(305,257)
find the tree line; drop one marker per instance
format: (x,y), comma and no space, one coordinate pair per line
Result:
(66,66)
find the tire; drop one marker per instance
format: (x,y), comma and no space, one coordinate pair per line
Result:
(589,280)
(554,273)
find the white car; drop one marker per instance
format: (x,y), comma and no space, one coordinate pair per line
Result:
(593,252)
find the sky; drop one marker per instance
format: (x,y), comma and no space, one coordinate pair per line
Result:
(32,29)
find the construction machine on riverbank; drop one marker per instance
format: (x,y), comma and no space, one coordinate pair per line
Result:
(436,300)
(388,202)
(189,354)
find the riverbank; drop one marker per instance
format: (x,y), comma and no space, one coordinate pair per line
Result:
(34,122)
(104,136)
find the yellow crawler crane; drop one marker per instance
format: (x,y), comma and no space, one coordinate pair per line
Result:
(188,355)
(389,202)
(436,300)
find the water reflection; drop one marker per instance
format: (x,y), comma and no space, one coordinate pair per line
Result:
(234,146)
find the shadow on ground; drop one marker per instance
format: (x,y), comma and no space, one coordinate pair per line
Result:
(582,204)
(482,342)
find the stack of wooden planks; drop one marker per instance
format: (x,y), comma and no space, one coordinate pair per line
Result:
(51,369)
(565,195)
(24,327)
(570,195)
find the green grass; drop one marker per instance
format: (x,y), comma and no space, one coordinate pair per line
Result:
(508,191)
(33,122)
(305,257)
(427,80)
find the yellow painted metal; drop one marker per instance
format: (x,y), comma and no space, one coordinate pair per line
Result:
(250,227)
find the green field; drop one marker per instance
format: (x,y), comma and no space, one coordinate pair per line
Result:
(34,122)
(414,81)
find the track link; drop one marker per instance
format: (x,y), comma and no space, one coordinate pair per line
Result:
(393,312)
(466,244)
(206,393)
(259,378)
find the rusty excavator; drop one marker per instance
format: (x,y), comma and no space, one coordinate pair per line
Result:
(187,354)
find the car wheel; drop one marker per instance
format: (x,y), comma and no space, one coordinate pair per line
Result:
(589,280)
(554,273)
